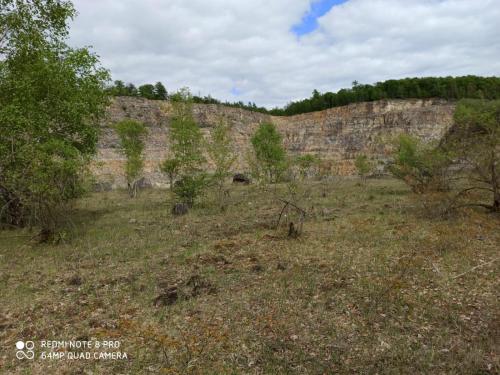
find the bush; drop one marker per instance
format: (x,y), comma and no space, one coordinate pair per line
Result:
(422,166)
(51,177)
(190,187)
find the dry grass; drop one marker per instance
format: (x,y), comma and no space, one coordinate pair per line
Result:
(368,288)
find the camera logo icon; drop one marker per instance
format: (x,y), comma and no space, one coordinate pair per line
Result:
(25,350)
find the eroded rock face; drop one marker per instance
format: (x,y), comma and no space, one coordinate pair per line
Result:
(337,135)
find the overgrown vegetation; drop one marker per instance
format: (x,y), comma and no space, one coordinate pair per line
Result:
(131,135)
(51,98)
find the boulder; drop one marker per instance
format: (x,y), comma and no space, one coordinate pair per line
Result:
(240,178)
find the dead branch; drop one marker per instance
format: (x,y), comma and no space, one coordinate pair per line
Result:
(474,268)
(293,230)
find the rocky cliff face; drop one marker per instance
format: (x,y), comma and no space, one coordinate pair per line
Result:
(337,135)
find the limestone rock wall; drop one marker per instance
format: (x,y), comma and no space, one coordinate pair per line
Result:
(337,135)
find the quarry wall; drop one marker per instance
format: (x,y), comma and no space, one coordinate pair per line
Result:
(336,135)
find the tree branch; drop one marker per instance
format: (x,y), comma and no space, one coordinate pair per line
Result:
(474,268)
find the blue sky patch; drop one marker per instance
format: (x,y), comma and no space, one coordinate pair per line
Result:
(236,91)
(309,21)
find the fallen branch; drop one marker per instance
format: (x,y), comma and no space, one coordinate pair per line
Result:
(474,268)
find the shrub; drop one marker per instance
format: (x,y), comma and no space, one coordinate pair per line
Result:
(131,133)
(51,177)
(422,166)
(190,187)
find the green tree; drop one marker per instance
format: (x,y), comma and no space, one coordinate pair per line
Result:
(131,135)
(131,90)
(186,147)
(118,89)
(269,152)
(51,99)
(475,139)
(220,151)
(160,91)
(147,91)
(171,168)
(363,165)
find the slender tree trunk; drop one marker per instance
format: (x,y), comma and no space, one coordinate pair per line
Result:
(132,189)
(494,181)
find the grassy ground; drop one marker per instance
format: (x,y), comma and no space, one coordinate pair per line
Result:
(370,287)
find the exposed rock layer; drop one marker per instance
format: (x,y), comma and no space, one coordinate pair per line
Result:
(337,135)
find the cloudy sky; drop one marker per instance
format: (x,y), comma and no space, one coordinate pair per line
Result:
(274,51)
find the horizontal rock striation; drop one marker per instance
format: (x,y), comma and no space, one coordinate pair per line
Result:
(337,135)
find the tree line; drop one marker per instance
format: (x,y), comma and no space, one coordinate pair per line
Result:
(159,92)
(449,88)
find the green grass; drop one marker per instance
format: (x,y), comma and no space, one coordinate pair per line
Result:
(369,287)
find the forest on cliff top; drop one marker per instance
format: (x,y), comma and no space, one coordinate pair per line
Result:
(449,88)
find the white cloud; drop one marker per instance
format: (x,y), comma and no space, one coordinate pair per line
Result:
(218,45)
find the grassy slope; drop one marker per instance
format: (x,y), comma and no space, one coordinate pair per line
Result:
(368,288)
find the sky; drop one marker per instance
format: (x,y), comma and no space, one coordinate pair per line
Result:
(273,51)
